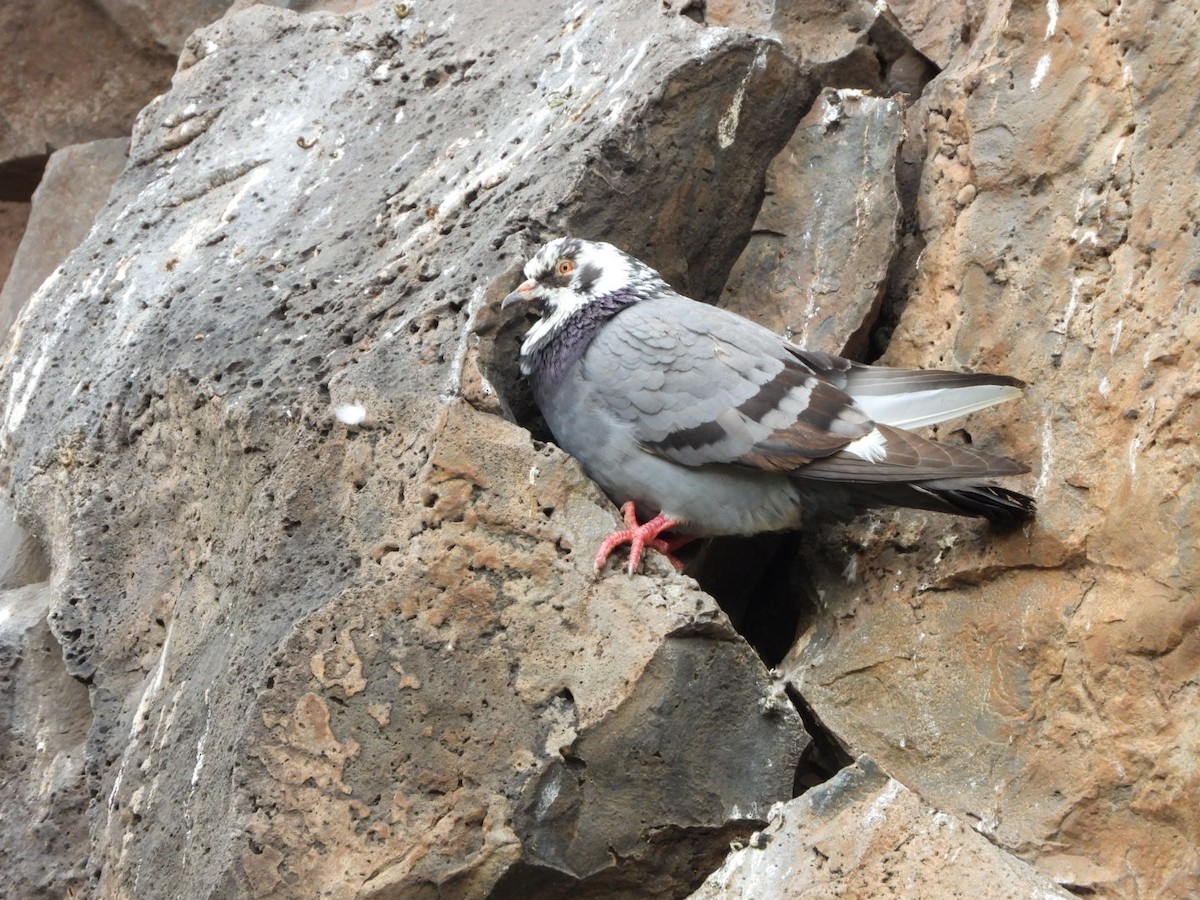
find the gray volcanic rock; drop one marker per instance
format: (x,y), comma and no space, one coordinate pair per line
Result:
(862,834)
(338,627)
(818,260)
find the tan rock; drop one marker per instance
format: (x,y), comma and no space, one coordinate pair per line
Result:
(22,557)
(1041,684)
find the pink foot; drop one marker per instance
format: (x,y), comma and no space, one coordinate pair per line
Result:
(639,537)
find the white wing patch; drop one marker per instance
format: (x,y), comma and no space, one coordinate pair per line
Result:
(871,447)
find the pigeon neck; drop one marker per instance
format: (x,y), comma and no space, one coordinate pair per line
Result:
(550,358)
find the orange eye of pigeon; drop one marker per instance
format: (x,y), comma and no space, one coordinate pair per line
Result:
(565,267)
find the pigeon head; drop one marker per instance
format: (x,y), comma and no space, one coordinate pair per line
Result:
(575,284)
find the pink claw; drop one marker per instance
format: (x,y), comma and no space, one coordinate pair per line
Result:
(639,537)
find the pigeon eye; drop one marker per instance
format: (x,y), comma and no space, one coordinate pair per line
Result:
(565,267)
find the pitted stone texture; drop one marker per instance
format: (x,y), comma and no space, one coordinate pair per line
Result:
(234,417)
(472,713)
(317,233)
(862,834)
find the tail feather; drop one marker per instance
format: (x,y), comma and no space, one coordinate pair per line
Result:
(961,497)
(891,466)
(981,498)
(896,455)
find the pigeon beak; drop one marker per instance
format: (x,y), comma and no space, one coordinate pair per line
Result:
(523,294)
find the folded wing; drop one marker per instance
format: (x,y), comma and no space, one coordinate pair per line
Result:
(700,386)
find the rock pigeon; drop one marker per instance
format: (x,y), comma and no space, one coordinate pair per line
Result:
(703,423)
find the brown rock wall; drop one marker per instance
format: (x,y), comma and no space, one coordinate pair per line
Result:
(1052,671)
(303,610)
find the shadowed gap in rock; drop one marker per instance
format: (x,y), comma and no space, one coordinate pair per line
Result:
(766,589)
(825,756)
(910,161)
(675,873)
(19,178)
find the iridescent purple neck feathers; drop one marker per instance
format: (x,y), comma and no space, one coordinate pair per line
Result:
(550,360)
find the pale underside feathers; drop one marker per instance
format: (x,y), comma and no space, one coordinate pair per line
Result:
(717,425)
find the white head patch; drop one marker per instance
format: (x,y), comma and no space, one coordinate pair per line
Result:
(596,270)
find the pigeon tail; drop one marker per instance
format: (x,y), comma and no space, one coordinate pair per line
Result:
(918,408)
(960,496)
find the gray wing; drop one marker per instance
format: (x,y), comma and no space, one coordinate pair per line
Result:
(698,385)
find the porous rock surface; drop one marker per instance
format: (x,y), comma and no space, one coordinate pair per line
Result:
(304,609)
(1045,684)
(337,625)
(862,834)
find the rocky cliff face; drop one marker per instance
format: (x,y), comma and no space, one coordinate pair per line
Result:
(299,600)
